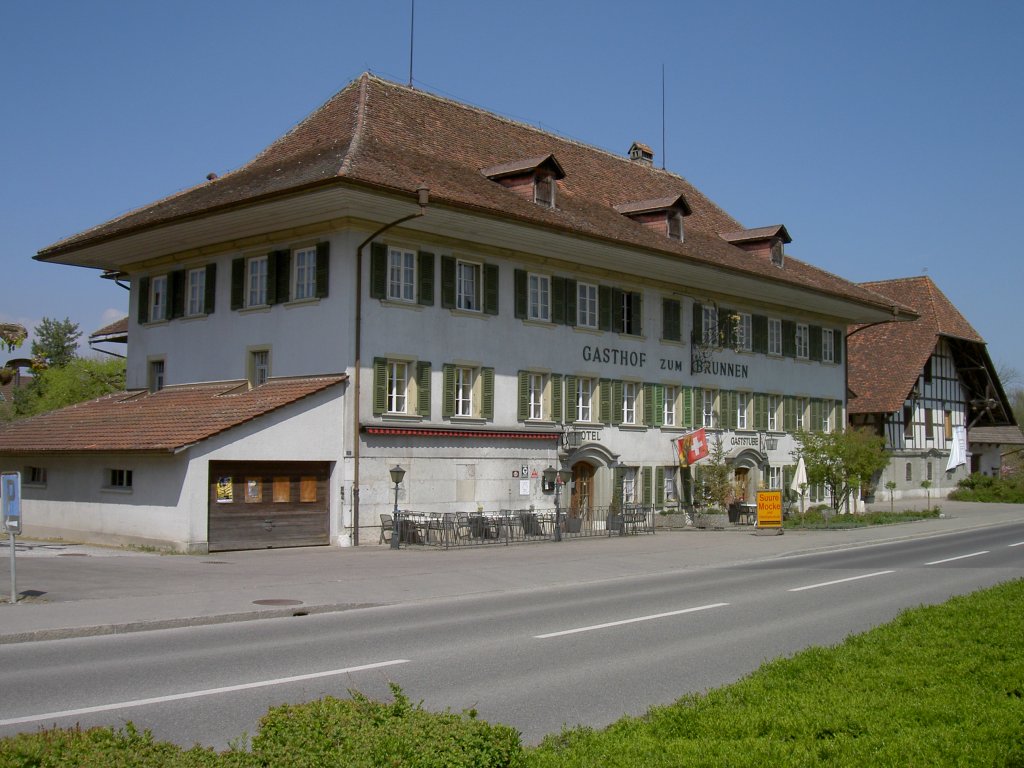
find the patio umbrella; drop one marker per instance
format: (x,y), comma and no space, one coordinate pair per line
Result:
(799,480)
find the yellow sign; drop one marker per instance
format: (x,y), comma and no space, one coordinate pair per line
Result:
(769,509)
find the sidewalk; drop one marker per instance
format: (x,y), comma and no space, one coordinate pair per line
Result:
(70,590)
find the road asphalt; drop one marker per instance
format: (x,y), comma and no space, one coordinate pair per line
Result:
(75,590)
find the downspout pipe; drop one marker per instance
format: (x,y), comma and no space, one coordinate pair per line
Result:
(422,197)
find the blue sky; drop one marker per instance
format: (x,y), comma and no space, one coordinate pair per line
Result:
(886,136)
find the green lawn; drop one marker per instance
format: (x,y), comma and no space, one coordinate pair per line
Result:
(939,686)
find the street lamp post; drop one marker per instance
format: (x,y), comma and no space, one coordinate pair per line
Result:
(397,473)
(558,478)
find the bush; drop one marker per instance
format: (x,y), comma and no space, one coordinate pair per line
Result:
(978,487)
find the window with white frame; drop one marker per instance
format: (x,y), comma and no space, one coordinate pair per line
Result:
(467,286)
(742,405)
(774,336)
(539,307)
(156,375)
(256,281)
(801,411)
(774,402)
(827,345)
(397,386)
(585,399)
(709,324)
(401,274)
(304,273)
(826,416)
(669,413)
(630,390)
(465,378)
(629,489)
(119,479)
(631,309)
(158,298)
(196,287)
(259,367)
(537,384)
(802,341)
(586,305)
(708,407)
(669,485)
(744,332)
(34,476)
(774,477)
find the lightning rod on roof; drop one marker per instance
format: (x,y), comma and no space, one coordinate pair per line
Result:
(412,32)
(664,151)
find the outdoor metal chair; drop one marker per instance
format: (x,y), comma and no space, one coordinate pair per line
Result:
(387,528)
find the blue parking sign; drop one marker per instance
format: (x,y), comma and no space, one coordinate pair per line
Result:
(10,501)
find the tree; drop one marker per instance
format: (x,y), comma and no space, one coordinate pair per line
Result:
(716,475)
(56,342)
(81,379)
(842,460)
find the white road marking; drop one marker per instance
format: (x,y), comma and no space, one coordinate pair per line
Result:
(197,694)
(959,557)
(629,621)
(840,581)
(1018,544)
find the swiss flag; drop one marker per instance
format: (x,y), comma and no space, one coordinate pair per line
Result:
(693,448)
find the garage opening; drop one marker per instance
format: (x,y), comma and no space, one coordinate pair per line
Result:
(268,504)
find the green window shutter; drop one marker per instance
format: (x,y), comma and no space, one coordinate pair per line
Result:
(523,411)
(814,342)
(816,415)
(759,332)
(378,271)
(448,282)
(659,487)
(487,393)
(423,389)
(490,289)
(558,300)
(789,414)
(688,402)
(648,396)
(211,289)
(616,309)
(761,412)
(789,338)
(425,270)
(788,471)
(729,403)
(670,317)
(605,409)
(605,311)
(837,345)
(237,283)
(556,398)
(698,322)
(648,486)
(176,282)
(323,269)
(616,402)
(618,480)
(570,301)
(636,314)
(380,385)
(448,401)
(279,265)
(143,300)
(571,396)
(521,304)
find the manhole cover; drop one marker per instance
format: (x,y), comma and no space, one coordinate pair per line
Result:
(72,554)
(277,601)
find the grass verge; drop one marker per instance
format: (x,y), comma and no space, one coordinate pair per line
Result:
(815,518)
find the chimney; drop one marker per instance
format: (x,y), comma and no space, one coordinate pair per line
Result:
(641,153)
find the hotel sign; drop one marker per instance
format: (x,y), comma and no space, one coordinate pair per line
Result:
(629,358)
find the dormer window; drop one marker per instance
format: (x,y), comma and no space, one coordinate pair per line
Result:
(534,178)
(767,241)
(544,192)
(664,215)
(641,153)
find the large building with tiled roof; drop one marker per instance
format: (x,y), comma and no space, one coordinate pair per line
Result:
(499,299)
(923,383)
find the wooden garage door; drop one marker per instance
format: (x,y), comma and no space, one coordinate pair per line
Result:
(266,504)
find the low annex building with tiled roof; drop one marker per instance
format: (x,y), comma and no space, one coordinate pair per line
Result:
(920,384)
(500,298)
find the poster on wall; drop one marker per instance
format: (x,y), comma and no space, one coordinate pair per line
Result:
(225,490)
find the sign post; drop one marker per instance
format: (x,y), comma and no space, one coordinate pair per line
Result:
(769,510)
(10,503)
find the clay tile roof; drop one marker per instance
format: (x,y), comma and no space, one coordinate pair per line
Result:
(168,420)
(886,360)
(394,138)
(525,165)
(116,331)
(1008,435)
(659,204)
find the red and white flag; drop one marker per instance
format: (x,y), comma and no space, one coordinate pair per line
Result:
(692,447)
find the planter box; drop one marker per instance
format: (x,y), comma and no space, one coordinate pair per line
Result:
(711,520)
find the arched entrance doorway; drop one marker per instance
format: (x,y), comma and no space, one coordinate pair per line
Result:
(581,502)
